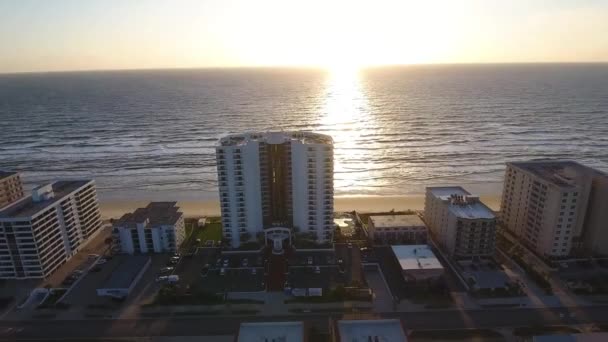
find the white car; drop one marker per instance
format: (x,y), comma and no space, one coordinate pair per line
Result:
(166,269)
(309,261)
(222,271)
(317,269)
(162,278)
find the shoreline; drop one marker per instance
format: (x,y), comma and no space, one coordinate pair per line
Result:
(116,208)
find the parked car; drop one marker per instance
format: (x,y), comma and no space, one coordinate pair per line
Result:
(101,261)
(222,271)
(166,269)
(309,260)
(205,270)
(254,271)
(349,245)
(225,263)
(317,269)
(161,278)
(340,261)
(93,256)
(245,262)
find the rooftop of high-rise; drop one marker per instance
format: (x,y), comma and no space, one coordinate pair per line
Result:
(562,173)
(276,138)
(461,203)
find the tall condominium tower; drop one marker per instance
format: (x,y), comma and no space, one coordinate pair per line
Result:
(460,222)
(41,232)
(275,179)
(11,188)
(556,207)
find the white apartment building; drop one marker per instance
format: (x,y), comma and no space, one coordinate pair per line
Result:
(463,226)
(157,228)
(41,232)
(278,179)
(556,207)
(11,188)
(408,229)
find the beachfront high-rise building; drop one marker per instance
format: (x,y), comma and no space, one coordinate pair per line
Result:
(463,226)
(277,179)
(157,228)
(41,232)
(11,188)
(556,207)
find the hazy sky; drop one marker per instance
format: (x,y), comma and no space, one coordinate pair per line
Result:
(123,34)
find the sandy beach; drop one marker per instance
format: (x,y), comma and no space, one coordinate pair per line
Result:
(115,209)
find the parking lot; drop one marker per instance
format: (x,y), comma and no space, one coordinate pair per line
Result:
(243,272)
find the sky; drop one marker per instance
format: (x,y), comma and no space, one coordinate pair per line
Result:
(140,34)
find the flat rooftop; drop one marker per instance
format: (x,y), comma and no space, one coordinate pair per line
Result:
(26,207)
(386,221)
(271,331)
(276,138)
(562,173)
(416,257)
(461,203)
(125,272)
(361,330)
(157,213)
(5,174)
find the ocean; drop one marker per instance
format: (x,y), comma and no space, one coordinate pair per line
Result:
(150,135)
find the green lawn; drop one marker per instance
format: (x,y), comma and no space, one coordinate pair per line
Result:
(211,231)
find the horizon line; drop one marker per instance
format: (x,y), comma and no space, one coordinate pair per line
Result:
(294,66)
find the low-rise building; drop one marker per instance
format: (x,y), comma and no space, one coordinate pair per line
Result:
(272,331)
(372,330)
(157,228)
(418,263)
(11,188)
(406,229)
(41,232)
(124,277)
(463,226)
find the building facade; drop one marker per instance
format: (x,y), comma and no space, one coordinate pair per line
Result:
(11,188)
(278,179)
(157,228)
(556,208)
(463,226)
(41,232)
(407,229)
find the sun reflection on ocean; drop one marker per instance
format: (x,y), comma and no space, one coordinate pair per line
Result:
(346,116)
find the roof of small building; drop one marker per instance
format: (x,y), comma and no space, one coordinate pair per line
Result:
(271,331)
(27,207)
(381,330)
(156,213)
(461,203)
(125,272)
(416,257)
(386,221)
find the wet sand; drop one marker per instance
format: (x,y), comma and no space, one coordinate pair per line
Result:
(115,209)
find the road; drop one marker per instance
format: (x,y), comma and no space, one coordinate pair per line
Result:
(225,325)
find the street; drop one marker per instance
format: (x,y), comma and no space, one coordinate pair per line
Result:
(215,325)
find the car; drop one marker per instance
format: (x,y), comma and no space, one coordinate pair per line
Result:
(309,260)
(176,254)
(349,245)
(93,256)
(340,261)
(173,262)
(209,243)
(205,270)
(175,258)
(198,240)
(254,271)
(317,269)
(218,263)
(222,271)
(101,261)
(225,264)
(341,268)
(166,269)
(161,278)
(245,262)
